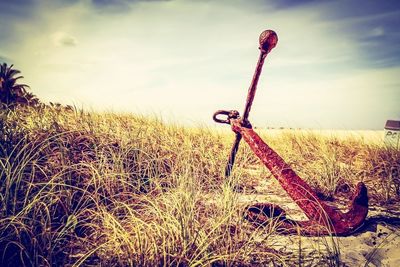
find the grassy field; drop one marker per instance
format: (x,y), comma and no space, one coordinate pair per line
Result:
(81,188)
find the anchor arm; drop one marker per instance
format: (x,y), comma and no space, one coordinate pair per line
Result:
(318,211)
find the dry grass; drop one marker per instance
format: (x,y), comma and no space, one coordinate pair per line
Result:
(80,188)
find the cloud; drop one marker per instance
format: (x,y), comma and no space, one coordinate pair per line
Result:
(373,26)
(63,39)
(112,6)
(377,32)
(355,9)
(118,6)
(284,4)
(18,8)
(11,14)
(190,58)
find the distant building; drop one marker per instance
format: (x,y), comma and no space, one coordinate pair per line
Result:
(392,133)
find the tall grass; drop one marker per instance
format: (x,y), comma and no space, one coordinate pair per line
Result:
(81,188)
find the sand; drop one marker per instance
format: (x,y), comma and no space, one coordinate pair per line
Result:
(377,243)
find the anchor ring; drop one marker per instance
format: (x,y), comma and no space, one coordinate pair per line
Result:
(230,114)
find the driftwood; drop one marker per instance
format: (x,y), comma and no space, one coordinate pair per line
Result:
(323,218)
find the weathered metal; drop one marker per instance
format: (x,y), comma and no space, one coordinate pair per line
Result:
(323,218)
(268,40)
(322,215)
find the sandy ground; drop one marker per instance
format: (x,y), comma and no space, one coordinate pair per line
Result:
(377,243)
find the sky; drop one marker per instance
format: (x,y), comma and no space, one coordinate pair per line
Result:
(336,64)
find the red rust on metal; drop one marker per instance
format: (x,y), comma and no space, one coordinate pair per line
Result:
(321,214)
(268,40)
(323,218)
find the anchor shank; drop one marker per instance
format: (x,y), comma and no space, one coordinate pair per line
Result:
(253,87)
(267,40)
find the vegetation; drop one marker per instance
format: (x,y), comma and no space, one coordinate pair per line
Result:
(80,188)
(11,92)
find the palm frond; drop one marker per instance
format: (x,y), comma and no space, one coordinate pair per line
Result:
(12,92)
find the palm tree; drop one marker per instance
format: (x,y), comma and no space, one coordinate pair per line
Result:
(10,91)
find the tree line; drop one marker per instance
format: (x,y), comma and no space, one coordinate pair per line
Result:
(14,94)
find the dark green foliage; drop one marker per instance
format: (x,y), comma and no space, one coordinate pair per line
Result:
(11,92)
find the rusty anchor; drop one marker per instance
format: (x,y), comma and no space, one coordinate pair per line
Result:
(323,217)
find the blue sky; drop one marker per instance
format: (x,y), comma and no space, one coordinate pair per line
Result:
(336,65)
